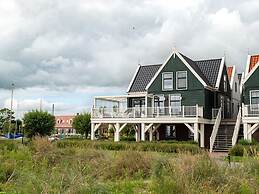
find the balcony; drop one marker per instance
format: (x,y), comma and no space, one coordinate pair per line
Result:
(251,110)
(148,112)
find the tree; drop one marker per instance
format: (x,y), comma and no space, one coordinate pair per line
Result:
(5,116)
(38,123)
(82,124)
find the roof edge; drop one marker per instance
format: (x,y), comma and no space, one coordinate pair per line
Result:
(133,78)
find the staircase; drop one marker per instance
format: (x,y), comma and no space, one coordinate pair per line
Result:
(223,140)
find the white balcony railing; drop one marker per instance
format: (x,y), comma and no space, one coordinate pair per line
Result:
(148,112)
(251,110)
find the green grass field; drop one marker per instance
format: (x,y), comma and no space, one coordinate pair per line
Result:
(44,167)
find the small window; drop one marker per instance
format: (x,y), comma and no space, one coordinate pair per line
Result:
(254,95)
(236,87)
(181,80)
(225,83)
(167,81)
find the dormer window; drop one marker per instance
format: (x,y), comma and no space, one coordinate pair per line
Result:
(167,81)
(181,80)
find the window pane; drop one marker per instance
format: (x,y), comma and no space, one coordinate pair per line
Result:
(181,80)
(181,74)
(167,81)
(255,94)
(181,83)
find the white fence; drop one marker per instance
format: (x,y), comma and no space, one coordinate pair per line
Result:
(148,112)
(251,110)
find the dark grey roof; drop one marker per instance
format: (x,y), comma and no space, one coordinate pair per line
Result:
(207,69)
(143,77)
(196,68)
(210,69)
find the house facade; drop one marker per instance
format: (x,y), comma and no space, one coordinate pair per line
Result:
(250,98)
(235,89)
(63,125)
(180,99)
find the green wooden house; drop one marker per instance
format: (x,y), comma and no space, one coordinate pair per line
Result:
(250,99)
(180,99)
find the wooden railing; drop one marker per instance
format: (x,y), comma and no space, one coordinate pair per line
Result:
(237,127)
(251,110)
(148,112)
(215,130)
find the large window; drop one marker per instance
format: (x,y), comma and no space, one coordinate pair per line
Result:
(159,103)
(167,81)
(254,97)
(175,103)
(181,80)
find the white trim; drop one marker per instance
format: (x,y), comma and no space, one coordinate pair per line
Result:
(241,83)
(220,72)
(133,78)
(247,65)
(192,70)
(159,70)
(172,74)
(183,60)
(251,72)
(189,127)
(232,77)
(176,78)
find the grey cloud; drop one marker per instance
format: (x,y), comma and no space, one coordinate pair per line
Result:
(71,44)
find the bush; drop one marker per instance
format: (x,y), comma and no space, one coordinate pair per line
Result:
(246,142)
(237,150)
(143,146)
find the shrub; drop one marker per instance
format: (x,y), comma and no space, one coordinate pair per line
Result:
(237,150)
(143,146)
(246,142)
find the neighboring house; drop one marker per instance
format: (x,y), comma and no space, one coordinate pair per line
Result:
(179,99)
(64,125)
(250,98)
(235,88)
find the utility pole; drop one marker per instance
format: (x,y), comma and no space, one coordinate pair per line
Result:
(53,109)
(12,91)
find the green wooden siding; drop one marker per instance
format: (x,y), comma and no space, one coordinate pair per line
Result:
(251,84)
(195,90)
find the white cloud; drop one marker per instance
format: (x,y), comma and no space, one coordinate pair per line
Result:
(72,46)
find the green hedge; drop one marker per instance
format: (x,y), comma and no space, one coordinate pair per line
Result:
(142,146)
(244,150)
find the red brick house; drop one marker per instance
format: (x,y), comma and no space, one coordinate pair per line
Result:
(64,125)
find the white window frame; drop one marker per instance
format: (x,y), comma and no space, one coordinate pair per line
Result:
(250,95)
(170,89)
(177,80)
(180,99)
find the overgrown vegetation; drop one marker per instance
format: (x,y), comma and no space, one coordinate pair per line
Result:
(44,167)
(245,149)
(170,147)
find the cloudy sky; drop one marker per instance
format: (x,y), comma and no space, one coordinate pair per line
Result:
(67,51)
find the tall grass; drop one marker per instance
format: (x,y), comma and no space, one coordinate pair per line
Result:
(43,167)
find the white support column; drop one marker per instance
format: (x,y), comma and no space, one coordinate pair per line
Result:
(249,135)
(196,133)
(92,131)
(142,131)
(137,133)
(117,132)
(151,134)
(202,135)
(245,131)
